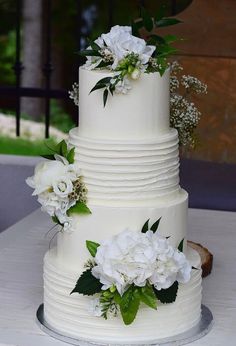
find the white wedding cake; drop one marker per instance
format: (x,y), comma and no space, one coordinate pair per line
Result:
(129,160)
(121,271)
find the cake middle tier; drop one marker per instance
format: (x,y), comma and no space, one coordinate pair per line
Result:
(128,173)
(106,221)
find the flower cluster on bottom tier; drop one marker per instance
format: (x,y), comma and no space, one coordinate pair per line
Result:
(69,314)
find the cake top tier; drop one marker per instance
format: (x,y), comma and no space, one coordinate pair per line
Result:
(141,113)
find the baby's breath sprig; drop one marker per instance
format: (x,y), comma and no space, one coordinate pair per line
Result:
(184,115)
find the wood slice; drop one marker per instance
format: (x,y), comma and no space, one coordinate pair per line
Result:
(206,257)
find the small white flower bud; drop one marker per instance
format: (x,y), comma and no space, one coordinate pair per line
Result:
(135,74)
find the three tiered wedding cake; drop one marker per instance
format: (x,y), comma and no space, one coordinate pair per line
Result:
(142,279)
(128,157)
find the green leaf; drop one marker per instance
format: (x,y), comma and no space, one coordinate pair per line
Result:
(167,295)
(56,220)
(171,38)
(117,298)
(181,245)
(155,225)
(156,39)
(135,29)
(105,95)
(48,157)
(63,149)
(105,80)
(58,148)
(145,227)
(92,247)
(97,87)
(148,297)
(50,146)
(71,156)
(167,22)
(79,208)
(102,83)
(129,305)
(161,13)
(103,64)
(147,19)
(94,45)
(89,52)
(87,284)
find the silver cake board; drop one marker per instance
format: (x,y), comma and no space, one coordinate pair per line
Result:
(193,334)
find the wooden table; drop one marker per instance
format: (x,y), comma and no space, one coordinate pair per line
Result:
(22,248)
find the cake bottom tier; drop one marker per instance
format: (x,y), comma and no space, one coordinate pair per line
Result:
(69,314)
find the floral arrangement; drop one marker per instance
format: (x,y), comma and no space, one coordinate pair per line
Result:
(125,53)
(59,185)
(133,268)
(184,115)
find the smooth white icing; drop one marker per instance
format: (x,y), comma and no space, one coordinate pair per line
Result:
(143,113)
(69,313)
(105,221)
(127,173)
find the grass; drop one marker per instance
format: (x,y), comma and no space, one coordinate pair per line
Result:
(19,146)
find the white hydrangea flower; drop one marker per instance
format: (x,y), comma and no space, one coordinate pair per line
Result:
(120,42)
(137,258)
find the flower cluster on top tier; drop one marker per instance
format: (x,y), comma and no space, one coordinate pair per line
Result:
(59,186)
(117,45)
(132,268)
(123,51)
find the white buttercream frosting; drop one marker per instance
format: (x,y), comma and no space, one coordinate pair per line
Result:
(129,160)
(69,313)
(128,172)
(142,113)
(105,222)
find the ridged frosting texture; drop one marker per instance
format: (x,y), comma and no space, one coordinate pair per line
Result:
(142,113)
(69,313)
(128,172)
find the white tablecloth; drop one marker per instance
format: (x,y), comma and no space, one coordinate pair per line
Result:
(21,284)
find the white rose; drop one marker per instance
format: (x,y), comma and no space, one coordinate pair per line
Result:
(44,175)
(62,186)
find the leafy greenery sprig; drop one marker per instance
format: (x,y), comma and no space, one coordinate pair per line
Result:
(128,304)
(163,44)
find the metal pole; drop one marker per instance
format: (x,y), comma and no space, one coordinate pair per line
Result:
(18,65)
(48,65)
